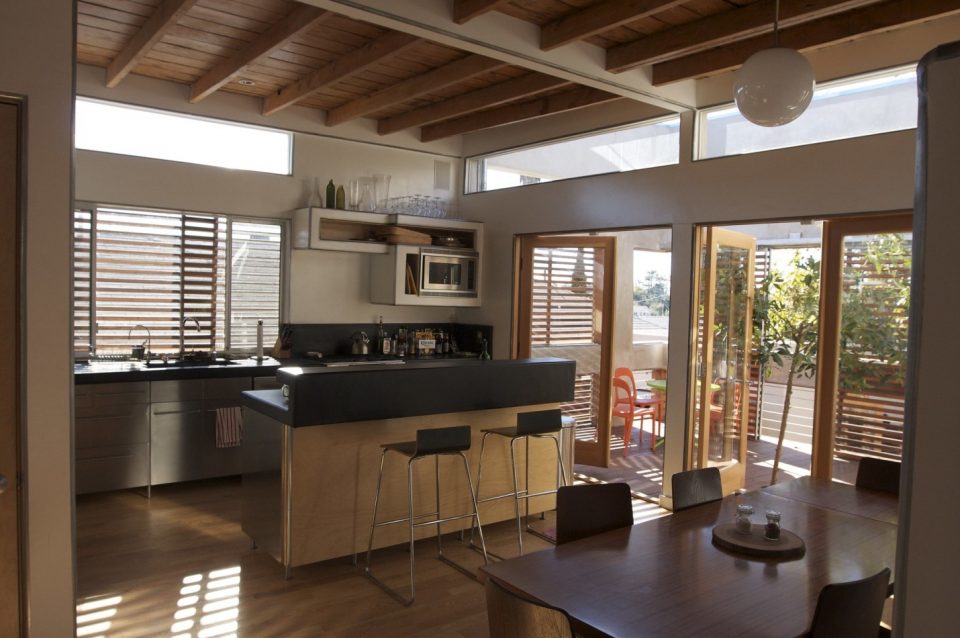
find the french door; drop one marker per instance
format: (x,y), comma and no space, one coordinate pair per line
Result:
(564,308)
(864,305)
(720,371)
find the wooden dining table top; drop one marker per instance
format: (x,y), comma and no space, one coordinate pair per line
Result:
(666,578)
(880,506)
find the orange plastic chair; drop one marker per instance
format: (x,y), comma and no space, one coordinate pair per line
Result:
(649,405)
(625,407)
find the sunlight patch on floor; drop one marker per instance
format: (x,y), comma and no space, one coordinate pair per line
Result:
(217,617)
(93,616)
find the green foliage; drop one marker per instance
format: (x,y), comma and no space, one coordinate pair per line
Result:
(786,312)
(653,291)
(875,310)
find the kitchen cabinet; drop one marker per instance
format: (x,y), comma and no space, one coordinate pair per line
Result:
(135,434)
(112,436)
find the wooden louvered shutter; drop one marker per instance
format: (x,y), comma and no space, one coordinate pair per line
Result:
(153,268)
(564,298)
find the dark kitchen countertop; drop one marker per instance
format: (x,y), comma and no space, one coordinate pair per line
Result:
(120,371)
(323,395)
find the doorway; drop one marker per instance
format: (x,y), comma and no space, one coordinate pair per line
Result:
(608,310)
(809,379)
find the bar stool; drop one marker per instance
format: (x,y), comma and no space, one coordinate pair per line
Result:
(434,442)
(542,424)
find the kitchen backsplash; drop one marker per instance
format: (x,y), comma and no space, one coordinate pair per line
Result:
(334,339)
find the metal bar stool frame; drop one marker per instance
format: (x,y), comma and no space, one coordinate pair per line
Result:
(436,442)
(541,424)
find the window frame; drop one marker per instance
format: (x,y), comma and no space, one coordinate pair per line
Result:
(700,138)
(474,166)
(285,264)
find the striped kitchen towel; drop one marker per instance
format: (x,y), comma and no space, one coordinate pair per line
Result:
(229,427)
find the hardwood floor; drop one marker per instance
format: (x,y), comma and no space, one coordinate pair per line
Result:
(178,565)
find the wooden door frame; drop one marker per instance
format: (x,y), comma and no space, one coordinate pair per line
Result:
(828,334)
(11,374)
(524,246)
(710,237)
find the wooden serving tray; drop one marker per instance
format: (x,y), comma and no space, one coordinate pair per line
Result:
(789,546)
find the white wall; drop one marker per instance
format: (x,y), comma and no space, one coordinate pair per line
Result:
(36,46)
(326,286)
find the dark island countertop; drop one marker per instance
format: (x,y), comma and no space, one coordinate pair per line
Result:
(121,371)
(323,395)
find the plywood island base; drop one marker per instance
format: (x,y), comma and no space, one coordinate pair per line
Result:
(308,491)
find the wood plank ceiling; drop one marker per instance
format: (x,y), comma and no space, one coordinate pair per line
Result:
(289,53)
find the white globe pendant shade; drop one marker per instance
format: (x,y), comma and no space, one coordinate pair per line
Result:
(774,86)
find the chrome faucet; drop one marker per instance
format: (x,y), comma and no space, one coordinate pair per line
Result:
(146,353)
(183,325)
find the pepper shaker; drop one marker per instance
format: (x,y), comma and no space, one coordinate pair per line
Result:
(771,530)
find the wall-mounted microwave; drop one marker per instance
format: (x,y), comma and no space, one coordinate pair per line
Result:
(448,272)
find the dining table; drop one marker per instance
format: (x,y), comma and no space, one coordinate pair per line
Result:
(665,577)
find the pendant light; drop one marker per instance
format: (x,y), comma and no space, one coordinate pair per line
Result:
(774,86)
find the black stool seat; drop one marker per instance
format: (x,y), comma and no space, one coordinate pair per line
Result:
(531,424)
(435,441)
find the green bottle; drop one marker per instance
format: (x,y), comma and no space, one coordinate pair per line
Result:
(331,194)
(341,198)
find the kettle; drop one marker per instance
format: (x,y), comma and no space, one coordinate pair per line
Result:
(361,343)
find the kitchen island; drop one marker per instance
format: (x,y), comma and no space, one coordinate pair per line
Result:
(310,460)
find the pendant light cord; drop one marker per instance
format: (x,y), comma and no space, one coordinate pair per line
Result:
(776,23)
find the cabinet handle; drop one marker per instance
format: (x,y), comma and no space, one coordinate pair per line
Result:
(161,413)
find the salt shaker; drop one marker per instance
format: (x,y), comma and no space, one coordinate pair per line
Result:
(771,530)
(743,518)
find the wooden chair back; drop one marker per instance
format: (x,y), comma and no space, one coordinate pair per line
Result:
(511,616)
(851,610)
(879,474)
(695,487)
(585,510)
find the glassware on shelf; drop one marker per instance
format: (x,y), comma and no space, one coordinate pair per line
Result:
(381,184)
(743,518)
(421,205)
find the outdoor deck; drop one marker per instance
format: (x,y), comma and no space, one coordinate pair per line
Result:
(643,469)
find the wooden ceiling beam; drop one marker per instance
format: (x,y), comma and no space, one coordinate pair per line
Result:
(490,96)
(439,78)
(152,31)
(842,27)
(720,29)
(566,101)
(466,10)
(303,18)
(343,67)
(599,18)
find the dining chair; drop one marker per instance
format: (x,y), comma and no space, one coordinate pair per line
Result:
(879,474)
(511,616)
(696,487)
(585,510)
(851,610)
(625,406)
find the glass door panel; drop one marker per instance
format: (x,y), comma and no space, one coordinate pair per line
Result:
(721,367)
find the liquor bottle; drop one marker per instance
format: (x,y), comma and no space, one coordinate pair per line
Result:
(381,336)
(331,195)
(401,345)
